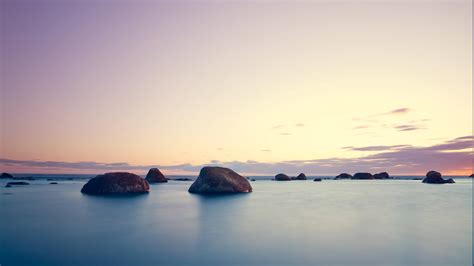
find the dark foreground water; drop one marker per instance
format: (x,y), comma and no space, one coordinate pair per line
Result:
(333,222)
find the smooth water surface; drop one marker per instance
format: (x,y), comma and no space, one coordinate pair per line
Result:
(333,222)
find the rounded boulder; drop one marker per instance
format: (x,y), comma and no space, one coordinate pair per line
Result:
(219,180)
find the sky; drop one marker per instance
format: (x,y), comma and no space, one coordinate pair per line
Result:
(259,86)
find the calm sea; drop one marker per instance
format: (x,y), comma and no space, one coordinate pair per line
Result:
(333,222)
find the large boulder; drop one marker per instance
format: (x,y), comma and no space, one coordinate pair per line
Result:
(343,176)
(383,175)
(301,177)
(155,176)
(471,175)
(116,183)
(219,180)
(363,176)
(433,177)
(6,175)
(282,177)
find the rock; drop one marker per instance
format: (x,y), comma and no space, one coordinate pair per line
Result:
(383,175)
(433,177)
(17,183)
(317,179)
(301,177)
(53,183)
(218,180)
(417,178)
(253,179)
(6,175)
(8,185)
(449,181)
(155,176)
(182,179)
(343,176)
(282,177)
(116,183)
(471,175)
(363,176)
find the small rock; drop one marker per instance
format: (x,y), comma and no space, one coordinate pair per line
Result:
(53,183)
(6,175)
(363,176)
(182,179)
(343,176)
(155,176)
(433,177)
(17,183)
(383,175)
(282,177)
(301,177)
(317,179)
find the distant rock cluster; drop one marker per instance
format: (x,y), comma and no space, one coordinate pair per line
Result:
(211,180)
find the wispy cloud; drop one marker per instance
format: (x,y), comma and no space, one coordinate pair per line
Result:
(374,121)
(399,111)
(278,127)
(299,125)
(376,148)
(407,127)
(450,156)
(285,134)
(266,150)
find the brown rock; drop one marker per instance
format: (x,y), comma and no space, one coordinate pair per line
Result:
(433,177)
(343,176)
(301,177)
(282,177)
(219,180)
(116,183)
(155,176)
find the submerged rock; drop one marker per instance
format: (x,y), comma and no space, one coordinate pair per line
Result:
(363,176)
(343,176)
(182,179)
(216,180)
(18,183)
(282,177)
(383,175)
(253,179)
(116,183)
(155,176)
(53,183)
(301,177)
(433,177)
(6,175)
(317,179)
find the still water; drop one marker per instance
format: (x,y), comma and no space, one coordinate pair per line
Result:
(333,222)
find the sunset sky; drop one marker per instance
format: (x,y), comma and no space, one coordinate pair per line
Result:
(259,86)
